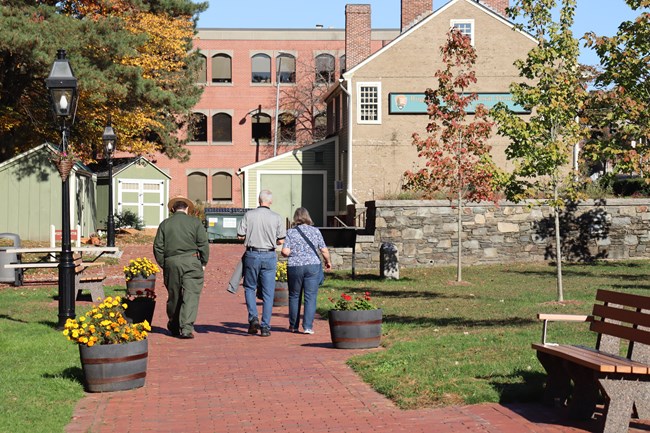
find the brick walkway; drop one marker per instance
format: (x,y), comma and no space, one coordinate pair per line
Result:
(226,381)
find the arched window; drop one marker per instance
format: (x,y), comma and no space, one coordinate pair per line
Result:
(197,186)
(199,127)
(319,130)
(221,68)
(222,127)
(202,73)
(221,187)
(286,68)
(261,127)
(261,68)
(287,125)
(324,68)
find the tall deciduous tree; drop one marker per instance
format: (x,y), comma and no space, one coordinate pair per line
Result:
(620,104)
(457,158)
(542,146)
(133,59)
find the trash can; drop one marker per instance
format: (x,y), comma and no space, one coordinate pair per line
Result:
(6,257)
(222,223)
(389,261)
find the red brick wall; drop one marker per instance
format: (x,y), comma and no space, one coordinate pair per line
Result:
(497,5)
(413,11)
(357,34)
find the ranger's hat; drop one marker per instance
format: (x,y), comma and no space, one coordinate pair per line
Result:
(174,200)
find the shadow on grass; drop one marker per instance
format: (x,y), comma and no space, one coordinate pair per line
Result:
(75,374)
(363,277)
(458,321)
(519,386)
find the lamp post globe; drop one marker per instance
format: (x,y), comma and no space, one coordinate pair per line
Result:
(62,87)
(110,141)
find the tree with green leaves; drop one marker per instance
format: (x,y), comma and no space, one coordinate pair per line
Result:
(458,161)
(133,60)
(620,103)
(542,146)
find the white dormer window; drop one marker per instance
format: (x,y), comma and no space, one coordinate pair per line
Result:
(466,27)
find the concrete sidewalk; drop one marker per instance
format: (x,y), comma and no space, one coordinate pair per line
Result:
(227,381)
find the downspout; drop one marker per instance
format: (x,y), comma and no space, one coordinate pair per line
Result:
(350,198)
(241,187)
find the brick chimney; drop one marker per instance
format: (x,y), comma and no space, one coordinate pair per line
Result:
(499,6)
(357,34)
(413,11)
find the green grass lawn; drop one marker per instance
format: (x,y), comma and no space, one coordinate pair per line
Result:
(443,342)
(450,343)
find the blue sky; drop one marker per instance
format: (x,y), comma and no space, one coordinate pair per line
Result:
(599,16)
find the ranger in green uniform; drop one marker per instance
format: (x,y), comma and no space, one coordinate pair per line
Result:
(182,250)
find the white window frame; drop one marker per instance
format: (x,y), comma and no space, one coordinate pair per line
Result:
(454,23)
(359,104)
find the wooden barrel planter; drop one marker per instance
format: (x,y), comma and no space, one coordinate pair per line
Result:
(114,367)
(281,297)
(138,286)
(360,329)
(140,309)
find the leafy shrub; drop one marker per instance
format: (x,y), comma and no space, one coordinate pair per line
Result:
(128,219)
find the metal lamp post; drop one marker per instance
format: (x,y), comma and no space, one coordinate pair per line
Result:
(277,101)
(62,86)
(110,139)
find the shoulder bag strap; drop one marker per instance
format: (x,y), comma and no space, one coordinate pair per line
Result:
(308,242)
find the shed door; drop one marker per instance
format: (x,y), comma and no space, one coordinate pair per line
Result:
(294,190)
(144,197)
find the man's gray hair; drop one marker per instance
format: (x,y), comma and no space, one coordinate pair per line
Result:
(266,196)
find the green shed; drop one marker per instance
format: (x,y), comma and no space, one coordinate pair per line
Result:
(30,191)
(139,186)
(303,177)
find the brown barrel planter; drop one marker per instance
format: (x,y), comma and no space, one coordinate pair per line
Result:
(281,296)
(114,367)
(359,329)
(138,286)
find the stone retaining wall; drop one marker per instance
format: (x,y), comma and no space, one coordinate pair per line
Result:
(425,233)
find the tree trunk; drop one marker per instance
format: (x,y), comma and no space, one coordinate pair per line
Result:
(459,267)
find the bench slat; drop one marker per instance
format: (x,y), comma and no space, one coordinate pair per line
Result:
(627,299)
(622,315)
(620,331)
(598,361)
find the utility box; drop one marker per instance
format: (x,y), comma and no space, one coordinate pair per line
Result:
(222,223)
(7,257)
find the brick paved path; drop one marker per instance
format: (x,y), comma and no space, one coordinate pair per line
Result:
(226,381)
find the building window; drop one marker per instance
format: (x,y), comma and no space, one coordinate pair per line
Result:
(261,130)
(221,68)
(286,68)
(261,69)
(368,103)
(202,73)
(221,187)
(287,125)
(222,127)
(199,127)
(466,27)
(197,187)
(319,130)
(325,68)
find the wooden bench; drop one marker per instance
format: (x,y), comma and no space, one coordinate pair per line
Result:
(83,281)
(620,378)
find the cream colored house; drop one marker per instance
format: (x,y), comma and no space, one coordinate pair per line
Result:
(378,103)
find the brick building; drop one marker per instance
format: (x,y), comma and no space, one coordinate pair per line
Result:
(371,79)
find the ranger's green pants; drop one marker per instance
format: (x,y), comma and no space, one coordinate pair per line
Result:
(184,282)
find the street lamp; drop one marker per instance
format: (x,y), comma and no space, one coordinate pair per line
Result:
(110,140)
(62,86)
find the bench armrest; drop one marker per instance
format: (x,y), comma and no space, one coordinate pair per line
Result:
(560,318)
